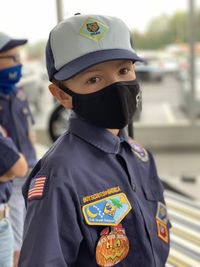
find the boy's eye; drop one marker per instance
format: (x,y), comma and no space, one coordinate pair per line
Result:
(124,71)
(93,80)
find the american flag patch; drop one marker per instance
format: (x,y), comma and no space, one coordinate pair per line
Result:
(36,187)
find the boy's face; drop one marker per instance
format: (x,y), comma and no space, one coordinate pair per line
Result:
(10,58)
(94,79)
(101,75)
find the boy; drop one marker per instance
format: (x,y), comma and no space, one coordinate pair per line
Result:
(12,164)
(95,198)
(16,118)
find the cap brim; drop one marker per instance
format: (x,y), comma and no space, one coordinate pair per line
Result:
(82,63)
(13,43)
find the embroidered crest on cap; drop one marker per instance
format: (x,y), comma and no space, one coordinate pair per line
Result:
(36,188)
(139,150)
(93,29)
(107,211)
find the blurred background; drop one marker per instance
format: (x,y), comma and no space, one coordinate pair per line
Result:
(167,35)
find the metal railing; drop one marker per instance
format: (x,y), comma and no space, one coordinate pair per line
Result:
(184,215)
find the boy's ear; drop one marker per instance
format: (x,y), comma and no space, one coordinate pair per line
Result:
(62,97)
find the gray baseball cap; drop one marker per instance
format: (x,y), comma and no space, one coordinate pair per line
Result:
(7,42)
(82,41)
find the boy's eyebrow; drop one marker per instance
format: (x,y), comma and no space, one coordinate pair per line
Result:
(90,70)
(93,69)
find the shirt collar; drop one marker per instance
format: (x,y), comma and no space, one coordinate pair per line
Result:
(98,137)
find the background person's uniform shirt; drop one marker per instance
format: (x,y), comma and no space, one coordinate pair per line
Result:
(8,157)
(15,117)
(86,161)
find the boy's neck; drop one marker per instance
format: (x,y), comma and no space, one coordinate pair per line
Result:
(114,131)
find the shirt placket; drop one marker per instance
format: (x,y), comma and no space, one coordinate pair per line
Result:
(134,177)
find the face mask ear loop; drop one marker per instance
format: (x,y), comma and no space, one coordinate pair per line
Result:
(65,89)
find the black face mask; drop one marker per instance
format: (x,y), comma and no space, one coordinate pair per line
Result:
(112,107)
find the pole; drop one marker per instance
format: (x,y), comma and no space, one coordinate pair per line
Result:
(130,130)
(59,8)
(191,36)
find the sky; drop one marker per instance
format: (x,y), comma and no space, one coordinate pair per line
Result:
(34,19)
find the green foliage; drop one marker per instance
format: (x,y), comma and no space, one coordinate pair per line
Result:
(165,30)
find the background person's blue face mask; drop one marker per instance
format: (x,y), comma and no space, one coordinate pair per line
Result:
(9,77)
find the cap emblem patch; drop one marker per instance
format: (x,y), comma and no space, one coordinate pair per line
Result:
(93,29)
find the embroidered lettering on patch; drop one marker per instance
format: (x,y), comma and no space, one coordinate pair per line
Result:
(93,29)
(107,211)
(110,191)
(36,188)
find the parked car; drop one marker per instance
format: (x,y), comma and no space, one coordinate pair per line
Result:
(170,64)
(150,70)
(185,91)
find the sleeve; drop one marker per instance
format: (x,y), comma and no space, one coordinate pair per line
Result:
(52,235)
(8,154)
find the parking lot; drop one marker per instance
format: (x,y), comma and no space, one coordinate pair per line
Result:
(162,101)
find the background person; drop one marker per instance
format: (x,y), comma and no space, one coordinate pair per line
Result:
(12,164)
(16,118)
(95,198)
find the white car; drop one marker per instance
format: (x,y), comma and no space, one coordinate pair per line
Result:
(150,70)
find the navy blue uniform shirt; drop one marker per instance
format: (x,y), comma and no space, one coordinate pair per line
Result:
(81,168)
(8,157)
(15,117)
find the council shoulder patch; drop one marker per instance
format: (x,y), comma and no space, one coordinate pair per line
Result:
(93,29)
(36,188)
(108,211)
(139,151)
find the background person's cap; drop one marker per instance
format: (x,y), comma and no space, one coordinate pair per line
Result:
(82,41)
(7,42)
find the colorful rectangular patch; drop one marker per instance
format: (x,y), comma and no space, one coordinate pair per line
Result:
(162,213)
(162,231)
(36,188)
(107,211)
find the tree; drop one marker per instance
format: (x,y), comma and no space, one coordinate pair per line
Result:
(165,30)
